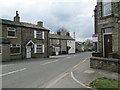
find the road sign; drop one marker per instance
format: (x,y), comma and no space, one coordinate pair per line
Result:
(95,37)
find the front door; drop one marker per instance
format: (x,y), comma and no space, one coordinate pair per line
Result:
(107,44)
(28,52)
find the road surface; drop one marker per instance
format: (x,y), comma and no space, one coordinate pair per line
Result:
(42,73)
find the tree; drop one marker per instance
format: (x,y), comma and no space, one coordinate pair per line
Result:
(88,45)
(63,31)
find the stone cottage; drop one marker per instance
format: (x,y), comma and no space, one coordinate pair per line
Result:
(107,27)
(61,44)
(20,40)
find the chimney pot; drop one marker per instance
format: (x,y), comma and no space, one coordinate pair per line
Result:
(59,33)
(17,18)
(68,34)
(40,23)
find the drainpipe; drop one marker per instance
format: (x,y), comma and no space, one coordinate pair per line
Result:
(48,44)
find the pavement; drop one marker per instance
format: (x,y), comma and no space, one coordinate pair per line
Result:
(82,74)
(85,75)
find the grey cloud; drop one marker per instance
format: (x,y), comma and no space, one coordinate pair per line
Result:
(74,16)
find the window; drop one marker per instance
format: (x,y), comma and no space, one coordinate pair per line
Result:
(57,49)
(0,49)
(39,48)
(107,30)
(15,49)
(106,7)
(55,41)
(11,32)
(53,49)
(39,34)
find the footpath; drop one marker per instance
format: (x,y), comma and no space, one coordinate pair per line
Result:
(81,75)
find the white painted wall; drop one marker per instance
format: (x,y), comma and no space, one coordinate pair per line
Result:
(71,43)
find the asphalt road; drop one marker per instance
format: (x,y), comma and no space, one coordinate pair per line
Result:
(40,73)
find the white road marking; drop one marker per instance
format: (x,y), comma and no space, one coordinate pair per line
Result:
(56,80)
(79,81)
(72,75)
(7,65)
(79,64)
(49,62)
(65,74)
(74,55)
(68,57)
(13,72)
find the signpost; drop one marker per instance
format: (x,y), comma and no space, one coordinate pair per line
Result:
(95,38)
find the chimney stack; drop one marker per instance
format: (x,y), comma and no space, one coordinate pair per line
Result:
(68,34)
(17,18)
(40,23)
(59,33)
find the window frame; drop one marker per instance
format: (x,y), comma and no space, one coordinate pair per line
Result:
(42,51)
(14,30)
(103,4)
(39,48)
(15,46)
(38,32)
(107,30)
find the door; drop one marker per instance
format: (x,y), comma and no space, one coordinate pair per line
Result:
(28,52)
(57,50)
(107,44)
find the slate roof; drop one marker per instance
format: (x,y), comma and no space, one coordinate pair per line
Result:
(56,36)
(21,24)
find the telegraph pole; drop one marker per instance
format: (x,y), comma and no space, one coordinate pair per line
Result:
(74,35)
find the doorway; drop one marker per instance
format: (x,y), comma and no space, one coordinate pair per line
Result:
(107,44)
(28,52)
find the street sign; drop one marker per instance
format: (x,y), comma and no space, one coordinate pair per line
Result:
(95,37)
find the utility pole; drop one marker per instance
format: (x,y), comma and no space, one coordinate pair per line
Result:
(74,35)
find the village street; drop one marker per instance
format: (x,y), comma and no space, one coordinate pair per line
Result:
(44,73)
(60,44)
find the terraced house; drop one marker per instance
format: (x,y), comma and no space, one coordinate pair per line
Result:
(61,44)
(20,40)
(107,27)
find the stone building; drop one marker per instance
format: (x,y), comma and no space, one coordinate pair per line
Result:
(107,27)
(61,44)
(20,40)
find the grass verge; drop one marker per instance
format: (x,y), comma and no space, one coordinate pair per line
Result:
(105,83)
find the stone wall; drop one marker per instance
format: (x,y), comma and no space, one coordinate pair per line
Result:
(119,39)
(108,64)
(5,56)
(63,46)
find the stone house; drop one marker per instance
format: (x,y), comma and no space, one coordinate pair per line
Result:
(107,27)
(20,40)
(61,44)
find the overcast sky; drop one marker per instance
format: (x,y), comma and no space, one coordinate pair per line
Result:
(74,15)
